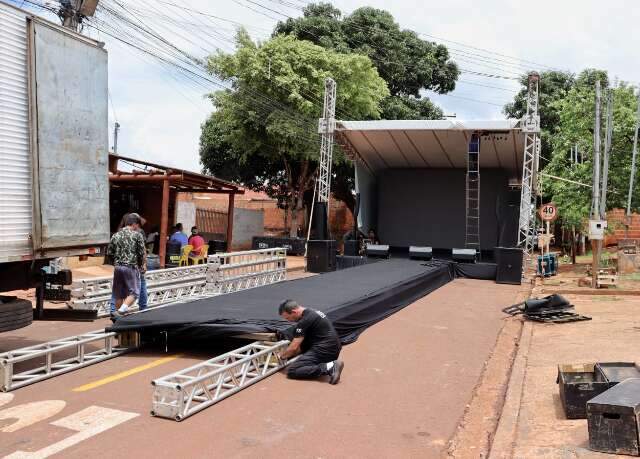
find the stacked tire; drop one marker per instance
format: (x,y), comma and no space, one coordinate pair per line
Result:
(14,313)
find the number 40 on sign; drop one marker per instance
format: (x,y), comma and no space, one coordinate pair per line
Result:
(548,212)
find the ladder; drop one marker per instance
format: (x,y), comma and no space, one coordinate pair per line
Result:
(472,219)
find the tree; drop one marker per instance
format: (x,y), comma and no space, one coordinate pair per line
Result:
(264,132)
(407,63)
(575,122)
(554,86)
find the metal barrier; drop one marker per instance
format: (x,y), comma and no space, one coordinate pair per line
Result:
(186,392)
(48,352)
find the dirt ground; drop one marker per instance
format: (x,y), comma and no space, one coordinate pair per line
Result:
(532,423)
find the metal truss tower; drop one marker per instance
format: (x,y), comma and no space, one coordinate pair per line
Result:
(326,129)
(531,128)
(472,233)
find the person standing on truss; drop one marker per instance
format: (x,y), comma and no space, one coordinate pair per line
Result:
(316,339)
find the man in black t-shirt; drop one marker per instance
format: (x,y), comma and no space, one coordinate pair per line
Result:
(315,338)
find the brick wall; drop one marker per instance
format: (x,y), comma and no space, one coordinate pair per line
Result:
(340,215)
(616,221)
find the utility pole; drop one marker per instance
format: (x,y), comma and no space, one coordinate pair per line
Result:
(72,12)
(116,129)
(607,152)
(595,201)
(633,161)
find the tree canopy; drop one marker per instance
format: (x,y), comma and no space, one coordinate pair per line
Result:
(567,112)
(407,63)
(263,133)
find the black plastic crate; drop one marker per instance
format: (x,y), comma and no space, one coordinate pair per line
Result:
(579,383)
(616,372)
(613,418)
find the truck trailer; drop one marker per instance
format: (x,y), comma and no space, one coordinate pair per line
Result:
(54,186)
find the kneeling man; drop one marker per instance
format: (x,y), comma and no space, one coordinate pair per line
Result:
(315,338)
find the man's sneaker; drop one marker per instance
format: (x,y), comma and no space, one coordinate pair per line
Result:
(123,310)
(335,372)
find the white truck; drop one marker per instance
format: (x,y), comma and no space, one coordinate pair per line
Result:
(54,187)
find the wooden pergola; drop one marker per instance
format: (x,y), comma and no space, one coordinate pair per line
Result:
(145,175)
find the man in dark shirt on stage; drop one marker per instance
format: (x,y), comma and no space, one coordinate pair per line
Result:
(315,338)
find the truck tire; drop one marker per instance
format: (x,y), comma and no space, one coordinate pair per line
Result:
(14,313)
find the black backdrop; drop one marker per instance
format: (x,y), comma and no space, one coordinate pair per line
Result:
(427,207)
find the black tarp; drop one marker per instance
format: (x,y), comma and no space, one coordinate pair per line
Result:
(353,299)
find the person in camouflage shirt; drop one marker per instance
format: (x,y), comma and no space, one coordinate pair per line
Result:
(128,253)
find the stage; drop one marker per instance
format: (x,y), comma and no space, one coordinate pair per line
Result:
(354,299)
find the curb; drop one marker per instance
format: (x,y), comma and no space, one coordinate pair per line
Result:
(506,432)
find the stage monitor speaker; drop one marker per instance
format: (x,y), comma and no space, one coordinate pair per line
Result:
(509,269)
(467,255)
(420,253)
(377,250)
(321,256)
(351,248)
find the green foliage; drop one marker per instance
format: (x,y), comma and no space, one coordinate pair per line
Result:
(575,114)
(407,63)
(263,133)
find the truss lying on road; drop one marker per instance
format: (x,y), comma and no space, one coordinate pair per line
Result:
(85,354)
(186,392)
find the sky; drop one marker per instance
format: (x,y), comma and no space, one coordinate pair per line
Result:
(160,115)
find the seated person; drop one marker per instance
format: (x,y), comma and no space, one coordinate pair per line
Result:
(178,236)
(373,237)
(197,242)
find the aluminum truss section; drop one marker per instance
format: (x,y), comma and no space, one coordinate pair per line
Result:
(242,270)
(88,349)
(100,286)
(157,296)
(531,128)
(472,232)
(184,393)
(326,129)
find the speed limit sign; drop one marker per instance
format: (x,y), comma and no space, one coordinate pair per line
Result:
(548,212)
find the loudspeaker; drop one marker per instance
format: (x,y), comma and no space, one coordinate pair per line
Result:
(509,261)
(377,250)
(351,248)
(321,256)
(468,255)
(420,253)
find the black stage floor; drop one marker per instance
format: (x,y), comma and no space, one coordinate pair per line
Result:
(353,299)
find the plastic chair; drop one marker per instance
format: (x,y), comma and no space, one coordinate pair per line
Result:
(184,255)
(202,258)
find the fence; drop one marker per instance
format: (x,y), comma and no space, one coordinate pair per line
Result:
(211,221)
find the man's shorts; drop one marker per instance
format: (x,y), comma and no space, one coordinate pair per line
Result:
(126,282)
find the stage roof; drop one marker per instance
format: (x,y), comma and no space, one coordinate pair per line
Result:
(388,144)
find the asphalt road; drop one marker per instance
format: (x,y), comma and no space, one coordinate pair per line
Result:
(406,383)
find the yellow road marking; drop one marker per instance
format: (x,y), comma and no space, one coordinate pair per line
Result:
(124,374)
